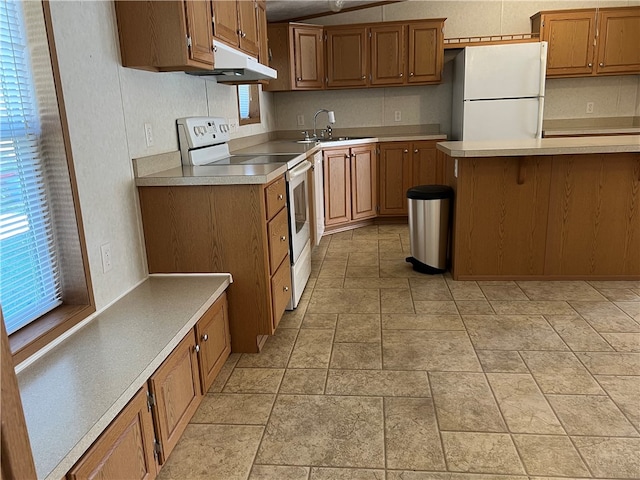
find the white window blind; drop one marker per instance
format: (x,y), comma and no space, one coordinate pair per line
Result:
(244,99)
(29,279)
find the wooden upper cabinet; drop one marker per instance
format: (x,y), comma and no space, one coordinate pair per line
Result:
(165,36)
(225,21)
(388,54)
(618,40)
(263,41)
(426,51)
(589,41)
(248,26)
(347,52)
(308,58)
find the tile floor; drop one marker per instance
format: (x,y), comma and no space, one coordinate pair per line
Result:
(383,373)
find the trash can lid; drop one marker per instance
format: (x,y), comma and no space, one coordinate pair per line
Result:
(430,192)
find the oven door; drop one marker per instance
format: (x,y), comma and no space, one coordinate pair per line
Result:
(298,196)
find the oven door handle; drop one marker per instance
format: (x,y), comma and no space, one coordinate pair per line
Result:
(298,170)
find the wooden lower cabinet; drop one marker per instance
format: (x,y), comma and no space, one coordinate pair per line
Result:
(214,341)
(125,449)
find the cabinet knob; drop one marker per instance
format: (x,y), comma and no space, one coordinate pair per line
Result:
(402,74)
(197,349)
(406,151)
(346,156)
(205,337)
(601,64)
(283,238)
(411,74)
(243,35)
(286,289)
(415,151)
(353,155)
(363,77)
(590,65)
(280,197)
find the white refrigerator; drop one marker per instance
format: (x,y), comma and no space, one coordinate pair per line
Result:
(498,92)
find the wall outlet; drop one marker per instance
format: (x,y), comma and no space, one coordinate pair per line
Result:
(148,134)
(589,107)
(397,116)
(301,120)
(105,251)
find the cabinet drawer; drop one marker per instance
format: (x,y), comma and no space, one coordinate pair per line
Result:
(281,290)
(278,238)
(276,197)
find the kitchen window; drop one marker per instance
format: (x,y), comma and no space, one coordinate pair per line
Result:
(249,104)
(43,280)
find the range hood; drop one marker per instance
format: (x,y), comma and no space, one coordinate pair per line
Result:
(231,65)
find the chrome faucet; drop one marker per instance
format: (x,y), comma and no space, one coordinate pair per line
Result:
(330,114)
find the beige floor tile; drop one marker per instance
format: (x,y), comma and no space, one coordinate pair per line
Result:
(401,229)
(410,475)
(501,361)
(386,383)
(591,415)
(411,435)
(358,328)
(619,294)
(430,291)
(399,257)
(611,457)
(390,244)
(599,284)
(435,281)
(550,455)
(605,363)
(446,307)
(351,300)
(606,317)
(254,380)
(319,473)
(500,292)
(368,231)
(234,409)
(328,431)
(623,342)
(630,308)
(465,290)
(370,271)
(341,236)
(421,321)
(356,356)
(305,381)
(274,354)
(278,472)
(225,373)
(512,332)
(333,268)
(428,350)
(561,372)
(522,404)
(370,281)
(320,320)
(474,307)
(213,452)
(329,282)
(625,392)
(396,267)
(353,246)
(362,259)
(533,307)
(577,333)
(464,402)
(396,301)
(312,349)
(291,319)
(481,453)
(560,290)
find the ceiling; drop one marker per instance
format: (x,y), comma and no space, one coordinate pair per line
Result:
(281,10)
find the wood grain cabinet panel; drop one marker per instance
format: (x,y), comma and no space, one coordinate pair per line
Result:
(125,449)
(594,215)
(175,387)
(619,40)
(427,164)
(248,36)
(395,177)
(337,186)
(263,40)
(388,54)
(278,230)
(225,21)
(364,182)
(281,289)
(425,51)
(276,197)
(347,53)
(214,341)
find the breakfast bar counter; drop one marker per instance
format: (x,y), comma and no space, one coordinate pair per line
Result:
(557,208)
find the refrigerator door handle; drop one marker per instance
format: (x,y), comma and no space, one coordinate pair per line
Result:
(540,114)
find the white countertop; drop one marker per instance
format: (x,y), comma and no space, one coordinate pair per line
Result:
(544,146)
(72,393)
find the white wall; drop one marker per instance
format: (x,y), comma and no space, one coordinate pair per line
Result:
(107,106)
(566,98)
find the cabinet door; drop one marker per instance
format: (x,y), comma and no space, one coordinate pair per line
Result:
(248,26)
(426,52)
(427,168)
(263,41)
(308,58)
(280,291)
(337,186)
(347,52)
(175,386)
(388,55)
(571,36)
(619,40)
(225,23)
(212,332)
(395,178)
(200,31)
(363,182)
(125,448)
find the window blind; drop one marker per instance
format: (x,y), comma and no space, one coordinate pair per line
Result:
(244,99)
(29,277)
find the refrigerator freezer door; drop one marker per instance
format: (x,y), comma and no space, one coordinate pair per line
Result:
(500,119)
(505,71)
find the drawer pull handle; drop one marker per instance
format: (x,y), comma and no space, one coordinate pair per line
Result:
(197,348)
(283,238)
(286,289)
(205,337)
(280,197)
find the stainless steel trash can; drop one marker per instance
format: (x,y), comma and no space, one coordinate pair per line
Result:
(429,211)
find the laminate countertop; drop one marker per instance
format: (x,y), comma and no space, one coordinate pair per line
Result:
(543,146)
(73,392)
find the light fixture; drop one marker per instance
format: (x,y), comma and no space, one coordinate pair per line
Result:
(335,5)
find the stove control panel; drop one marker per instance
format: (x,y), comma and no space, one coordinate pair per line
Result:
(197,132)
